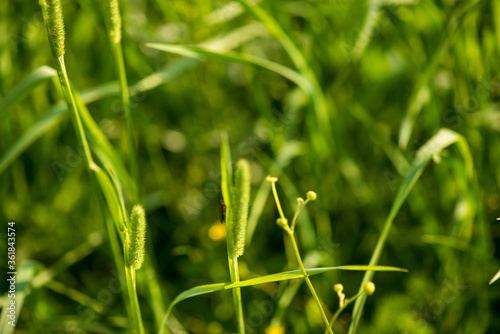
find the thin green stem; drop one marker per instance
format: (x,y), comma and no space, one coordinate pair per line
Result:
(237,299)
(125,96)
(341,308)
(297,213)
(308,281)
(131,288)
(70,100)
(277,200)
(234,270)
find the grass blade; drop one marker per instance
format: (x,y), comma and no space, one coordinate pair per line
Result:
(200,54)
(495,278)
(442,139)
(24,88)
(294,274)
(23,284)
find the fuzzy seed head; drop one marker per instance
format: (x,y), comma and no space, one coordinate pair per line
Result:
(241,202)
(136,251)
(311,195)
(54,20)
(114,21)
(338,288)
(369,288)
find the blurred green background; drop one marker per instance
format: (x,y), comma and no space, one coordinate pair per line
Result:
(393,73)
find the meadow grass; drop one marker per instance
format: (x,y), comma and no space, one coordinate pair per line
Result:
(352,99)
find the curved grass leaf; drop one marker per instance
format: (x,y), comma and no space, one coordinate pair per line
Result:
(24,88)
(442,139)
(420,94)
(23,283)
(495,278)
(49,120)
(294,274)
(200,53)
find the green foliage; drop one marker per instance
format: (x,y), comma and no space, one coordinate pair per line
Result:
(353,99)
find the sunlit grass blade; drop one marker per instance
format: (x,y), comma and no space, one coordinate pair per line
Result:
(197,52)
(294,274)
(24,276)
(495,278)
(38,76)
(433,147)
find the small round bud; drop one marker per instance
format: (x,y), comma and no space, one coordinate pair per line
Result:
(338,287)
(271,179)
(282,222)
(300,201)
(369,288)
(311,195)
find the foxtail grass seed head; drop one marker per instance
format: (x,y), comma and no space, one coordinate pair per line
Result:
(114,20)
(369,288)
(241,202)
(55,22)
(136,251)
(311,195)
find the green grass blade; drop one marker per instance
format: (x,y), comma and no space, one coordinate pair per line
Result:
(294,274)
(111,197)
(421,93)
(495,278)
(442,139)
(23,283)
(53,116)
(24,88)
(49,120)
(200,54)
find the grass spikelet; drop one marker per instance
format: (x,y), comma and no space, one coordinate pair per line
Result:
(52,10)
(136,250)
(113,20)
(241,202)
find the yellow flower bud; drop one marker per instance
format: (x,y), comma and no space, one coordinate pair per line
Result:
(271,179)
(369,288)
(311,195)
(338,287)
(282,222)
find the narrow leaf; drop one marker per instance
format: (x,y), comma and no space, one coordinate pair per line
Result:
(24,88)
(294,274)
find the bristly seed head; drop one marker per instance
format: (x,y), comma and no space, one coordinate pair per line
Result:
(137,249)
(241,202)
(54,20)
(114,20)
